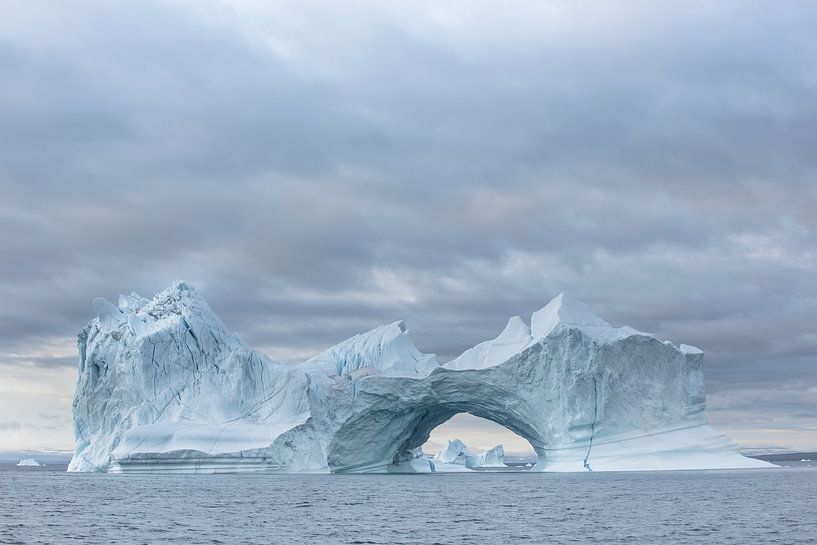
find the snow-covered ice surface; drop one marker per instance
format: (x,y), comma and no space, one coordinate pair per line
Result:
(28,462)
(164,386)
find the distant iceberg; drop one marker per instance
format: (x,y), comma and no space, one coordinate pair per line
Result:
(164,387)
(29,462)
(457,453)
(494,457)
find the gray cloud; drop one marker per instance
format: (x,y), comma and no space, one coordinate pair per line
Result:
(317,170)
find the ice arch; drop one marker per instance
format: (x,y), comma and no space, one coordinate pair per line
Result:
(387,433)
(163,386)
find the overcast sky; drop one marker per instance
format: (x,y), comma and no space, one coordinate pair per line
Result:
(318,168)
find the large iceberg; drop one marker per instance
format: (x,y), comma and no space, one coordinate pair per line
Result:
(164,386)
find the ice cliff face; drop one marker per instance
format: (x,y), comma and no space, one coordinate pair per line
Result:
(163,386)
(164,378)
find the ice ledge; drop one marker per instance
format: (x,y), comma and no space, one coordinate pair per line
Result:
(696,446)
(692,350)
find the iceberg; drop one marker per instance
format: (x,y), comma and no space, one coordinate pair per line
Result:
(29,462)
(455,457)
(494,457)
(163,386)
(455,453)
(458,454)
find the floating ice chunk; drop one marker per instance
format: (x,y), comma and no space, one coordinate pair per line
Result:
(29,462)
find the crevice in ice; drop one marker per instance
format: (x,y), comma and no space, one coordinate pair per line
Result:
(153,363)
(592,424)
(189,330)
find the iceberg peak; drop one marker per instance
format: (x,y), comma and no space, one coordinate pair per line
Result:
(516,331)
(563,309)
(384,349)
(513,339)
(517,336)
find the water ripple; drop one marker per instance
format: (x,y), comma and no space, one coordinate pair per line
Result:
(727,507)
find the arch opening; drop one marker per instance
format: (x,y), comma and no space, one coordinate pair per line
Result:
(386,439)
(452,424)
(397,421)
(479,434)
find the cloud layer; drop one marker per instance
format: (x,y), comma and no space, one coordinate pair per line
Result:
(316,170)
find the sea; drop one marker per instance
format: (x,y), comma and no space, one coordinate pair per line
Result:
(742,507)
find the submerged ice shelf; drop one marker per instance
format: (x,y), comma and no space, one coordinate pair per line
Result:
(163,386)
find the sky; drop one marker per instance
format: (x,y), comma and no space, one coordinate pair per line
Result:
(316,169)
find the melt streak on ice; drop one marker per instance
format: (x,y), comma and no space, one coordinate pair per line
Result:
(164,387)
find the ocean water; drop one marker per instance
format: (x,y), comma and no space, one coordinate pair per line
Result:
(40,505)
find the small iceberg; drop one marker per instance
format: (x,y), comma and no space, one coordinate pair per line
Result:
(29,462)
(494,457)
(457,455)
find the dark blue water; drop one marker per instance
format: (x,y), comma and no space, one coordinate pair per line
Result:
(740,507)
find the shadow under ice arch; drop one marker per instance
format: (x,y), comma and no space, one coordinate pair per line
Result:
(164,387)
